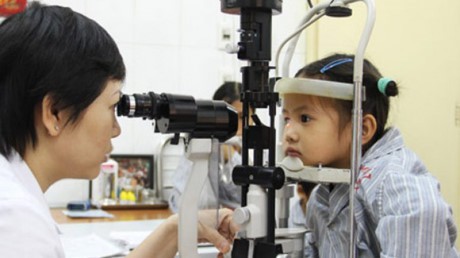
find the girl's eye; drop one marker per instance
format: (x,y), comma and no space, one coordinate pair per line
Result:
(305,118)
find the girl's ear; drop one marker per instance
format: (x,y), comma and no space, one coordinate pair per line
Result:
(369,128)
(50,116)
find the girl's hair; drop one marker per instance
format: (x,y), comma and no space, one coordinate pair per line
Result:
(339,68)
(50,50)
(228,92)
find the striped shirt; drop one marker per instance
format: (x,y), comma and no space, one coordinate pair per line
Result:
(399,209)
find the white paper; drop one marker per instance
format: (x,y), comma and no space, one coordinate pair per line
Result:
(89,246)
(88,214)
(131,239)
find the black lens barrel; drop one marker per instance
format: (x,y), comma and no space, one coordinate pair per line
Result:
(182,114)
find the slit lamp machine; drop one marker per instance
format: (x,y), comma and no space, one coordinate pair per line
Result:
(209,122)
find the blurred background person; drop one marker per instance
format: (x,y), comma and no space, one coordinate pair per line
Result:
(299,207)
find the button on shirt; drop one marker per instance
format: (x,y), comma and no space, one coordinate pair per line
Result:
(26,226)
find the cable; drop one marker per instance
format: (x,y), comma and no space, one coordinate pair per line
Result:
(294,34)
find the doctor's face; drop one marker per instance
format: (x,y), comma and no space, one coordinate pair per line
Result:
(87,143)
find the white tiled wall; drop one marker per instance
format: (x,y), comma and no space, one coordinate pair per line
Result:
(173,46)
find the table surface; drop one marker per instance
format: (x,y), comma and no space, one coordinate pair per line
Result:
(119,215)
(126,222)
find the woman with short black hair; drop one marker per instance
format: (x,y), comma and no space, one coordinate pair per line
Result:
(60,80)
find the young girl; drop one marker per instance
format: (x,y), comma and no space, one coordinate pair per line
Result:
(399,210)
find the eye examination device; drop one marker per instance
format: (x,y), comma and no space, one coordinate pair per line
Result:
(259,197)
(266,179)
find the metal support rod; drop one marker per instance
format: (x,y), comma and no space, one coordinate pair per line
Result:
(355,162)
(271,221)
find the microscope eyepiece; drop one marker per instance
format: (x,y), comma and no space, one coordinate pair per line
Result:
(143,105)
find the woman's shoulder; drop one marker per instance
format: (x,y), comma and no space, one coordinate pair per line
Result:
(9,183)
(25,221)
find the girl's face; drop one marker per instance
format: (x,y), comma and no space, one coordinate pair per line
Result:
(87,143)
(312,132)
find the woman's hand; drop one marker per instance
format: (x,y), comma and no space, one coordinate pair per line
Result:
(220,235)
(163,242)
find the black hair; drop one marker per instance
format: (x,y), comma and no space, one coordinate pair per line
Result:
(307,187)
(376,103)
(228,92)
(50,50)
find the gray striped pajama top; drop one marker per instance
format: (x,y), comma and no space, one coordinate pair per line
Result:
(399,209)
